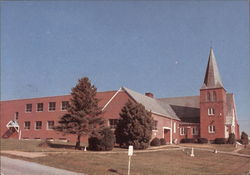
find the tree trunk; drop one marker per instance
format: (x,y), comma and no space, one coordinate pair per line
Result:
(78,142)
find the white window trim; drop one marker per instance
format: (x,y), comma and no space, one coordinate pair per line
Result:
(62,105)
(26,108)
(174,127)
(182,133)
(156,126)
(36,125)
(211,127)
(37,107)
(49,107)
(48,124)
(210,111)
(196,131)
(25,127)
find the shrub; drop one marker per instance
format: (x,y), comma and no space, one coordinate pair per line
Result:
(187,140)
(244,138)
(155,142)
(202,140)
(163,141)
(102,140)
(231,139)
(220,141)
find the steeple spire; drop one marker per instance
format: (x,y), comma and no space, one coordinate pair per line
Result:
(212,78)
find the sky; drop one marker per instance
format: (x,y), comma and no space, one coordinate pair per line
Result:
(148,46)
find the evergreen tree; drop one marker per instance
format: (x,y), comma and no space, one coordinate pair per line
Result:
(134,127)
(83,111)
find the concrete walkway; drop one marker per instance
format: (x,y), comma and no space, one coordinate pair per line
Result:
(222,152)
(20,167)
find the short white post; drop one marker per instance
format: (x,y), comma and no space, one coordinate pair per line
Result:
(192,152)
(215,151)
(85,148)
(20,135)
(130,153)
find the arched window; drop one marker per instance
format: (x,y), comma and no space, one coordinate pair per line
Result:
(214,96)
(208,96)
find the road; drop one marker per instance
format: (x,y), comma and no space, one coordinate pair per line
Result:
(20,167)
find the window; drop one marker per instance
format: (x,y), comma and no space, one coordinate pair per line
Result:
(27,125)
(65,105)
(208,96)
(174,127)
(28,107)
(182,131)
(214,96)
(38,125)
(210,111)
(195,131)
(50,125)
(39,107)
(113,123)
(211,129)
(52,106)
(155,125)
(16,115)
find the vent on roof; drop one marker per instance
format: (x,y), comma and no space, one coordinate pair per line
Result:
(149,94)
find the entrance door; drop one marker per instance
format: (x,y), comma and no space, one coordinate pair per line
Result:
(167,135)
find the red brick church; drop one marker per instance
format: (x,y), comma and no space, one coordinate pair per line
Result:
(210,115)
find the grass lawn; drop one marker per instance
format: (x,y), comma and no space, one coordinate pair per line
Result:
(151,163)
(246,150)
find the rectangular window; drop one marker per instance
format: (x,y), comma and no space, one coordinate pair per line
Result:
(27,125)
(28,108)
(39,107)
(113,123)
(38,125)
(210,111)
(16,115)
(52,106)
(65,105)
(182,131)
(174,127)
(211,129)
(155,125)
(195,131)
(50,125)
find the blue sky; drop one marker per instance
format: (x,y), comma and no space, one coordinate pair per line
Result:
(156,46)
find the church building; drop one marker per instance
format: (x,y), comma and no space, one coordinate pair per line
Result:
(211,114)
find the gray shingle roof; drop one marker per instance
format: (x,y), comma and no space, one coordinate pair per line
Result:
(152,104)
(212,77)
(186,108)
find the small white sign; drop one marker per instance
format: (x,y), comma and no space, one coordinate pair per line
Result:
(130,150)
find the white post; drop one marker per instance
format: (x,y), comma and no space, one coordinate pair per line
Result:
(129,159)
(20,135)
(130,153)
(192,152)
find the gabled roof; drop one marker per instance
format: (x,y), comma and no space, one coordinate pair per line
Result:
(152,104)
(212,77)
(186,108)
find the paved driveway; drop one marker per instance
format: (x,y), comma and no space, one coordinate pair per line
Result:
(20,167)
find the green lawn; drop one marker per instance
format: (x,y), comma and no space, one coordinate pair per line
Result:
(151,163)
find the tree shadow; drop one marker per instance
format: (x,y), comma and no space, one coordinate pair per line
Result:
(114,171)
